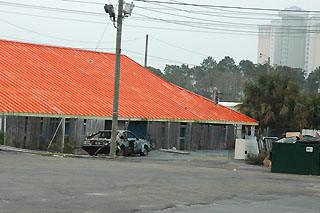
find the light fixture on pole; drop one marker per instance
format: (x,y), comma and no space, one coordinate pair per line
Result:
(268,68)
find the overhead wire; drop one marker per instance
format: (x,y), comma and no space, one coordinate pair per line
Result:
(64,10)
(229,7)
(194,25)
(218,9)
(233,24)
(173,45)
(160,58)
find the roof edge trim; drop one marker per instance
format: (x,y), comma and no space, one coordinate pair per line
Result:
(28,114)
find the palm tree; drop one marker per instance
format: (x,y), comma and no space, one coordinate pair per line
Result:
(271,100)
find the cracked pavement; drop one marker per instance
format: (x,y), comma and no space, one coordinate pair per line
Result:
(162,182)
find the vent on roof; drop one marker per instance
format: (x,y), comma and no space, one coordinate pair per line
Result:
(215,96)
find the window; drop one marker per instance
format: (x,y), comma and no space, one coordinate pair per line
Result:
(163,134)
(26,125)
(41,126)
(67,127)
(224,133)
(182,135)
(54,122)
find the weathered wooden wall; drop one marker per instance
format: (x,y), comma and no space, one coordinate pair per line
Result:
(197,136)
(154,132)
(24,132)
(35,132)
(80,128)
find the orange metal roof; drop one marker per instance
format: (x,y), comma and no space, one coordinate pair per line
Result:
(41,79)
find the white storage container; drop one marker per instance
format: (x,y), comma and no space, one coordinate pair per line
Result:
(245,147)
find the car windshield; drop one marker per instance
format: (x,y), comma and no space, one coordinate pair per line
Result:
(105,135)
(130,135)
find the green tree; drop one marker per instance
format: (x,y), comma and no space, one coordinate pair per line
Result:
(208,64)
(272,100)
(310,110)
(293,73)
(179,75)
(230,85)
(155,71)
(227,65)
(247,68)
(313,81)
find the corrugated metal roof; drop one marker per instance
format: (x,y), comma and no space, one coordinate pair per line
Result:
(46,80)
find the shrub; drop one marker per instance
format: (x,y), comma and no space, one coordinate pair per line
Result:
(256,160)
(55,146)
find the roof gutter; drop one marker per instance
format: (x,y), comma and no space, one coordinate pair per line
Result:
(51,115)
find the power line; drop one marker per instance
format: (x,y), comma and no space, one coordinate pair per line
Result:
(164,59)
(43,34)
(146,27)
(236,32)
(55,9)
(207,13)
(230,7)
(182,48)
(210,6)
(195,25)
(64,10)
(234,24)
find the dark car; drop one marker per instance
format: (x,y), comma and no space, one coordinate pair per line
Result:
(126,143)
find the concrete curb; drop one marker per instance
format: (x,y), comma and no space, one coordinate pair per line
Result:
(38,152)
(14,149)
(174,151)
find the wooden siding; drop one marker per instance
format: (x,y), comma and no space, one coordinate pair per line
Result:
(35,132)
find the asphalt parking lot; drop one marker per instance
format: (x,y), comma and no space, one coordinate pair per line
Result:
(208,181)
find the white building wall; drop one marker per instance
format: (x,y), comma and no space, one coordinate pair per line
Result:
(313,46)
(264,44)
(288,42)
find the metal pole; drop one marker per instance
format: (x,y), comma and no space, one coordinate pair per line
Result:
(112,153)
(4,130)
(190,136)
(268,68)
(63,129)
(168,134)
(146,51)
(54,135)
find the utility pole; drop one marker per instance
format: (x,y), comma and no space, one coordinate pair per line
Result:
(121,14)
(112,153)
(146,51)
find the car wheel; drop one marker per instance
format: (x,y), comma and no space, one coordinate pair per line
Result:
(92,153)
(145,152)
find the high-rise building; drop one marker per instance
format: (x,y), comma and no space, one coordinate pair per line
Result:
(313,45)
(291,41)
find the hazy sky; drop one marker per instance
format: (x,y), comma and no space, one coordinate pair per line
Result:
(178,34)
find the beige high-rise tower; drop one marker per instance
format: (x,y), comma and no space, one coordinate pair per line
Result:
(293,40)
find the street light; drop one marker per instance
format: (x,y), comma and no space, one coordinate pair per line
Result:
(268,66)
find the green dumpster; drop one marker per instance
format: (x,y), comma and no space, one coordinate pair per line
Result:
(296,158)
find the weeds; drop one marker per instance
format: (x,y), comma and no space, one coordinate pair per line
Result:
(256,160)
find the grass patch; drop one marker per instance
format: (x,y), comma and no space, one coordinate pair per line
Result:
(208,157)
(50,155)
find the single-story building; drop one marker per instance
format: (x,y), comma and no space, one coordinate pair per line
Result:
(50,93)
